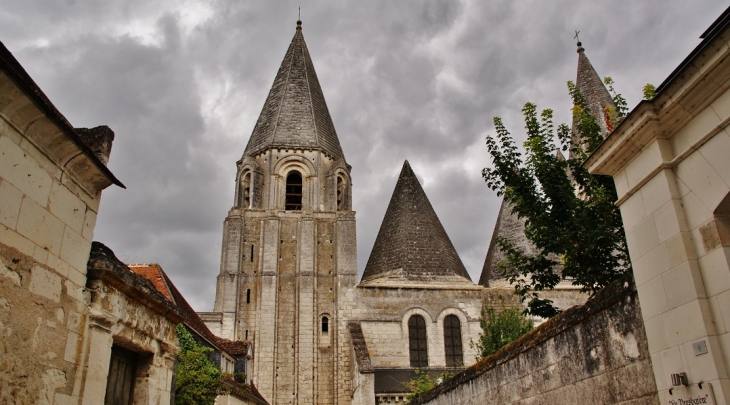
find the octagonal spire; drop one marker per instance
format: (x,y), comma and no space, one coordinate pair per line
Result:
(295,114)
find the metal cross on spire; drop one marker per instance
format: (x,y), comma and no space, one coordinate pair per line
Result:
(576,37)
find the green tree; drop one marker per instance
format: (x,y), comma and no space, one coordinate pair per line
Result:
(499,329)
(569,215)
(198,380)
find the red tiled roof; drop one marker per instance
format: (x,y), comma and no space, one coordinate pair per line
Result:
(154,273)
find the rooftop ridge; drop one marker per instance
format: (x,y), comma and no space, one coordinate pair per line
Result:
(412,245)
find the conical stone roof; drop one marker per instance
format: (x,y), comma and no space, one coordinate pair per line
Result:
(412,245)
(295,114)
(509,227)
(591,86)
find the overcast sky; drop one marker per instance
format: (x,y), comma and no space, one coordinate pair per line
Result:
(182,83)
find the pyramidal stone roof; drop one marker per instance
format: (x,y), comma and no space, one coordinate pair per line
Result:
(295,114)
(412,246)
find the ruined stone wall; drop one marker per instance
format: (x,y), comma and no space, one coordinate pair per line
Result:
(594,354)
(117,320)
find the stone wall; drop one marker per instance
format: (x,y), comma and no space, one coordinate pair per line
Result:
(593,354)
(47,217)
(383,314)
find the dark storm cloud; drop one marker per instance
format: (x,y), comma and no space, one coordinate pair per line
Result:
(182,84)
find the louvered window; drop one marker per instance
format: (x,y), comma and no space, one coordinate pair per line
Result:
(417,341)
(293,192)
(452,342)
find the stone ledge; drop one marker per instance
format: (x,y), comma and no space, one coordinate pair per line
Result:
(103,265)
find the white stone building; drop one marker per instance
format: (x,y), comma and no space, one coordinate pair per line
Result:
(670,162)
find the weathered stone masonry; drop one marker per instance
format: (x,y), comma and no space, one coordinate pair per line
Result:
(593,354)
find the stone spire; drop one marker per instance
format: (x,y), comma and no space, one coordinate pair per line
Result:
(412,246)
(295,114)
(508,225)
(591,86)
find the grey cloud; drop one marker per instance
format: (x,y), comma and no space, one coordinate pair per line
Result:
(183,104)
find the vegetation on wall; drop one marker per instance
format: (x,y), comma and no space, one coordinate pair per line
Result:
(499,329)
(649,91)
(423,382)
(569,215)
(198,380)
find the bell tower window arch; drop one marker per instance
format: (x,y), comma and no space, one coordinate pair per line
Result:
(246,190)
(341,191)
(294,187)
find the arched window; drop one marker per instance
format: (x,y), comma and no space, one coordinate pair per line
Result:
(417,341)
(452,342)
(325,324)
(293,192)
(246,190)
(340,193)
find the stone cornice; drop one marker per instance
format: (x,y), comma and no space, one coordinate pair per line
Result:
(702,79)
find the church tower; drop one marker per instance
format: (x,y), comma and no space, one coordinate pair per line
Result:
(288,259)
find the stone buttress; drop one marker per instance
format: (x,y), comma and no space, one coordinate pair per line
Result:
(289,252)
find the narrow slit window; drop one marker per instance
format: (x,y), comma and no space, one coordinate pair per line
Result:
(246,334)
(452,342)
(417,345)
(293,192)
(251,255)
(325,324)
(248,296)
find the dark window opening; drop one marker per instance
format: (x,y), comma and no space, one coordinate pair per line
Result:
(293,200)
(246,336)
(325,324)
(417,345)
(452,342)
(248,296)
(340,192)
(251,254)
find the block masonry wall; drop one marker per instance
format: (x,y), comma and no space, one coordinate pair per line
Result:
(47,217)
(282,272)
(383,314)
(594,354)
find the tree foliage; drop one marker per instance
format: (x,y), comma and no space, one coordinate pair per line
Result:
(569,215)
(198,380)
(499,329)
